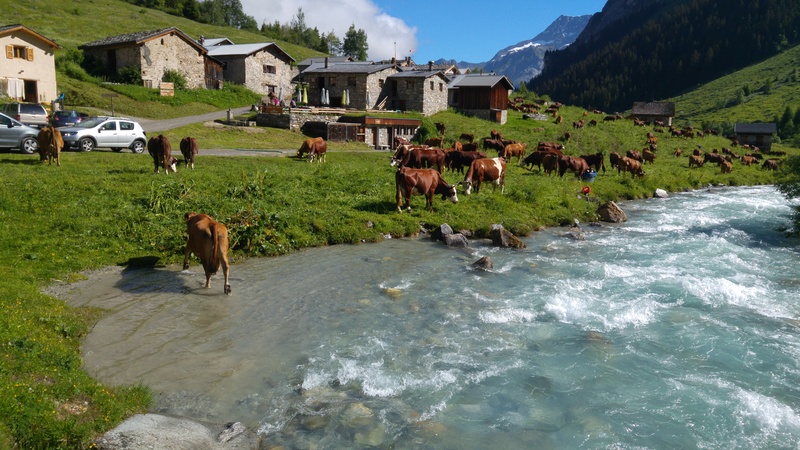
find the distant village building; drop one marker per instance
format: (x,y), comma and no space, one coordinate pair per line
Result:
(153,53)
(264,68)
(483,96)
(654,111)
(423,91)
(28,71)
(365,83)
(755,134)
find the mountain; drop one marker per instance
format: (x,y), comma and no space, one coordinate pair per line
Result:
(641,50)
(524,60)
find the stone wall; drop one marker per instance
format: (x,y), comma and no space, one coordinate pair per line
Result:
(294,120)
(170,52)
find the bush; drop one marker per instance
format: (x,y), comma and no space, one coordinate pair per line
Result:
(175,77)
(129,75)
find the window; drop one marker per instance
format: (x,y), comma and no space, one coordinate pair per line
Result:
(441,87)
(380,83)
(431,85)
(109,126)
(269,68)
(409,84)
(332,81)
(19,52)
(126,126)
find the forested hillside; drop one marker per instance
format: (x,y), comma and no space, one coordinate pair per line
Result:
(663,51)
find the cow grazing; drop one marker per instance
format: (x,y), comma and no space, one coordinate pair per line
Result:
(634,154)
(440,127)
(457,160)
(421,158)
(550,147)
(469,137)
(535,158)
(434,142)
(488,170)
(496,135)
(714,158)
(512,150)
(648,156)
(208,240)
(496,144)
(161,151)
(630,165)
(696,160)
(189,151)
(576,165)
(315,147)
(770,164)
(457,146)
(747,160)
(427,182)
(726,166)
(49,144)
(614,159)
(596,160)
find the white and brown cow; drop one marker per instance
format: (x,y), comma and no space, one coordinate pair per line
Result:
(427,182)
(208,240)
(488,169)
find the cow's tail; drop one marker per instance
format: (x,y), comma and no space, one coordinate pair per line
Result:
(214,261)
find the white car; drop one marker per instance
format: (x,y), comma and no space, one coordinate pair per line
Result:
(115,133)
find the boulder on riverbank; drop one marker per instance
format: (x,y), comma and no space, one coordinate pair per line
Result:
(504,238)
(159,431)
(660,193)
(485,263)
(611,212)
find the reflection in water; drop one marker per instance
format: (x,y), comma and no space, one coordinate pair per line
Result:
(676,329)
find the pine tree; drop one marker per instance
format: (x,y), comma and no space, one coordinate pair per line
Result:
(355,43)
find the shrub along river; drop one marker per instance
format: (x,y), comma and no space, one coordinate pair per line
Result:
(676,329)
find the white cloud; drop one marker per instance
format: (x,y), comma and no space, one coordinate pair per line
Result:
(384,32)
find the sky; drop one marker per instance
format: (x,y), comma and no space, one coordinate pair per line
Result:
(466,30)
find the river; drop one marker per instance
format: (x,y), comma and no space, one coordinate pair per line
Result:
(676,329)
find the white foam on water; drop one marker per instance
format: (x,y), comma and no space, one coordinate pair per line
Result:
(510,315)
(770,414)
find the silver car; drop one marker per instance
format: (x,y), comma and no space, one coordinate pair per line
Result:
(115,133)
(15,134)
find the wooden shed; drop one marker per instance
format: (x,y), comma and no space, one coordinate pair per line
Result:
(757,134)
(379,132)
(654,111)
(484,96)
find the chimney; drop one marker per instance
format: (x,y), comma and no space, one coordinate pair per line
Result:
(408,60)
(430,66)
(326,62)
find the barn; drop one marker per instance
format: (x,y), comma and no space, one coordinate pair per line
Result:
(483,96)
(153,53)
(758,134)
(651,112)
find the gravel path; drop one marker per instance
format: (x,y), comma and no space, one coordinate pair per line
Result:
(157,126)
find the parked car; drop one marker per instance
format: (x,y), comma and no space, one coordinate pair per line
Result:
(67,118)
(15,134)
(32,114)
(115,133)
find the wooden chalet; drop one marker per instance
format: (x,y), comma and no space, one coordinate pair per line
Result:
(756,134)
(651,112)
(483,96)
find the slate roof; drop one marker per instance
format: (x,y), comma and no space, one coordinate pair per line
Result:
(212,42)
(139,37)
(755,128)
(7,29)
(419,74)
(653,109)
(354,67)
(321,60)
(244,50)
(475,80)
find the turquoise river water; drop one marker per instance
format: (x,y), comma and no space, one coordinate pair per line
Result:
(677,329)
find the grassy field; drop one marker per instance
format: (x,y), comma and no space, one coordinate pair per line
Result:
(103,208)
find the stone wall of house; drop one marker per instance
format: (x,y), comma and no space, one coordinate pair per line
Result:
(294,120)
(419,96)
(170,52)
(263,83)
(41,69)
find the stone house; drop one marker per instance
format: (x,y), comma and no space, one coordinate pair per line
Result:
(654,111)
(365,83)
(28,72)
(757,134)
(483,96)
(263,68)
(423,91)
(153,53)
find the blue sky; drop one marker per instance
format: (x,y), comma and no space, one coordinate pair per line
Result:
(467,30)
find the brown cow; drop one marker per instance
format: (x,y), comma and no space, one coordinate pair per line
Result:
(648,156)
(747,160)
(550,163)
(50,142)
(614,159)
(427,182)
(549,147)
(457,146)
(630,165)
(208,240)
(696,160)
(495,144)
(677,153)
(596,160)
(189,150)
(713,157)
(434,142)
(577,165)
(469,137)
(457,160)
(421,158)
(487,169)
(726,166)
(512,150)
(537,159)
(634,154)
(314,147)
(161,151)
(770,164)
(440,127)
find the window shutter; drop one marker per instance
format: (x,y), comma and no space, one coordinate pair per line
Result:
(29,52)
(9,51)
